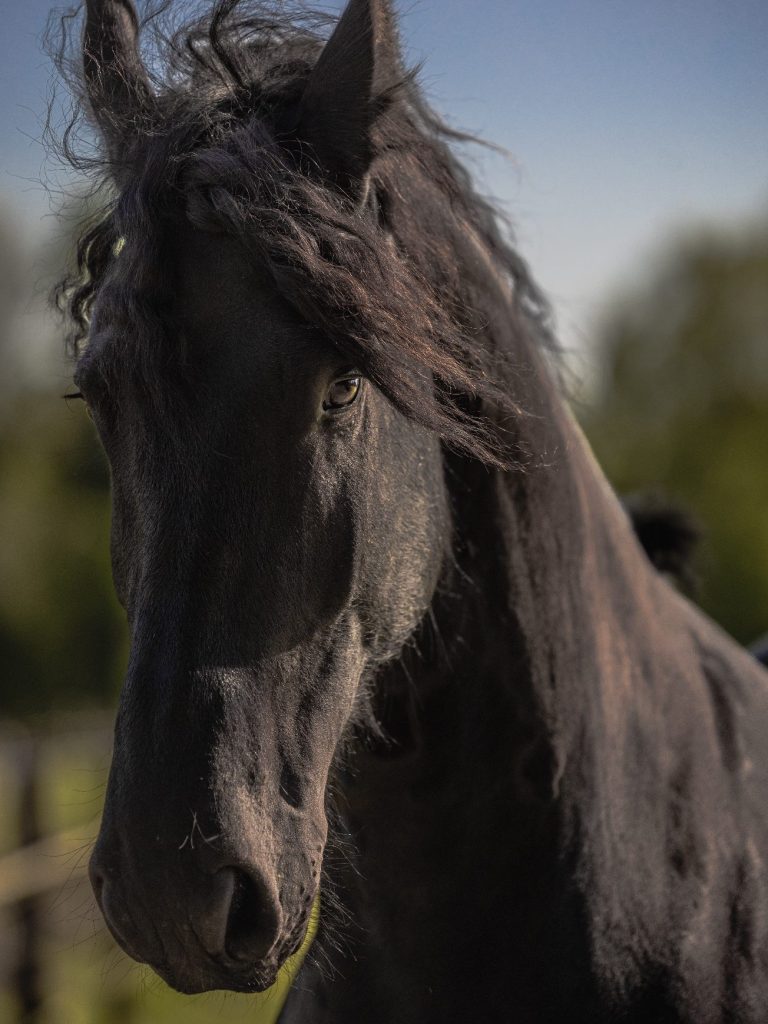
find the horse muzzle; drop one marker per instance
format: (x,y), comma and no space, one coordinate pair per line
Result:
(231,928)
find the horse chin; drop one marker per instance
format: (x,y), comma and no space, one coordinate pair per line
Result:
(194,979)
(189,982)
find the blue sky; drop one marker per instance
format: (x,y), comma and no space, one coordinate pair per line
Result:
(628,121)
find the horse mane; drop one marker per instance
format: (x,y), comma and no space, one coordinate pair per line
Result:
(408,299)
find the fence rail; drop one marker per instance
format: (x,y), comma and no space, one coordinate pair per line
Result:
(38,867)
(42,861)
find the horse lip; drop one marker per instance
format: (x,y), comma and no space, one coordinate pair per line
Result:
(219,976)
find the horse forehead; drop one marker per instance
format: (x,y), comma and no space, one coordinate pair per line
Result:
(220,263)
(217,280)
(228,306)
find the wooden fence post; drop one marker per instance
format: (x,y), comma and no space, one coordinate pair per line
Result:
(29,911)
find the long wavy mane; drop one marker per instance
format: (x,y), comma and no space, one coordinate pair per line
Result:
(420,283)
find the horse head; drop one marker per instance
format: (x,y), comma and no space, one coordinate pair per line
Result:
(280,517)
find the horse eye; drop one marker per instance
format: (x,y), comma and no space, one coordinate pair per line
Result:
(342,393)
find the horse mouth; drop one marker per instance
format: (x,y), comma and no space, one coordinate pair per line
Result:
(247,980)
(226,976)
(194,977)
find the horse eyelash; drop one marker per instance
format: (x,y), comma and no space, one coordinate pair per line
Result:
(73,394)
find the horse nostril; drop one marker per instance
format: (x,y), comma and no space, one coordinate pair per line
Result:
(253,923)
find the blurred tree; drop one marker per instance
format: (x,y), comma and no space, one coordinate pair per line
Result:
(61,630)
(60,627)
(682,409)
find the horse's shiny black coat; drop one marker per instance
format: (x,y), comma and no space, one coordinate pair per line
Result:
(422,618)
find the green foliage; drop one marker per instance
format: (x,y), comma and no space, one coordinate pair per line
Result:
(682,410)
(62,633)
(61,630)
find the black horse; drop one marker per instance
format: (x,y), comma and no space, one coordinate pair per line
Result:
(393,637)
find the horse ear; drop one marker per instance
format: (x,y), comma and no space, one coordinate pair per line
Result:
(348,88)
(117,83)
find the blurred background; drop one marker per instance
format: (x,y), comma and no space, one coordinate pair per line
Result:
(639,193)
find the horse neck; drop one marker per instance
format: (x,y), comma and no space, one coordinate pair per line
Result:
(550,563)
(548,559)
